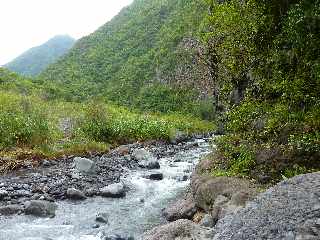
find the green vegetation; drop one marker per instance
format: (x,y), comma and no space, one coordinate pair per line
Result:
(268,75)
(133,60)
(36,59)
(160,66)
(34,128)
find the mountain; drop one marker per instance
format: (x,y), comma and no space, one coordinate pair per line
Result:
(36,59)
(136,59)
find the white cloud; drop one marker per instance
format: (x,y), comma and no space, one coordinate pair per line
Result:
(28,23)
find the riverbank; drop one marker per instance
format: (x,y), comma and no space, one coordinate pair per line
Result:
(146,191)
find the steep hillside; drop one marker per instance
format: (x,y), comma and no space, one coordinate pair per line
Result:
(36,59)
(138,58)
(267,70)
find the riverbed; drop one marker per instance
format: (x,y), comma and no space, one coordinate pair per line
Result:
(131,216)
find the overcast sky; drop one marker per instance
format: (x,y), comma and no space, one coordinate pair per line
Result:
(28,23)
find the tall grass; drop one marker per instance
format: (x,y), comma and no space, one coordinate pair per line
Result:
(55,128)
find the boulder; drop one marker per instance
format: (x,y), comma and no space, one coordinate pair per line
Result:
(154,176)
(181,209)
(142,154)
(116,190)
(145,159)
(179,230)
(84,165)
(10,209)
(102,218)
(206,189)
(289,210)
(75,194)
(40,208)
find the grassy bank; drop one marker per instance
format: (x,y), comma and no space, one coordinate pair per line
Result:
(31,128)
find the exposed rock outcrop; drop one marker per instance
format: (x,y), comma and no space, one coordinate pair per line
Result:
(289,210)
(206,190)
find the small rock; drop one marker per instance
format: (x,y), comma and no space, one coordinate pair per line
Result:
(154,176)
(102,218)
(181,229)
(83,164)
(116,190)
(40,208)
(118,237)
(46,163)
(3,194)
(75,194)
(95,226)
(207,221)
(145,159)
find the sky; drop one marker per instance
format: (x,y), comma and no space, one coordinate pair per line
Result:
(29,23)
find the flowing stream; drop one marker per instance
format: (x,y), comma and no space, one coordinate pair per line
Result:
(138,212)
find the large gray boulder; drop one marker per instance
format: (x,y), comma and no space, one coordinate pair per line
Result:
(145,159)
(181,209)
(179,230)
(84,165)
(289,210)
(206,189)
(40,208)
(116,190)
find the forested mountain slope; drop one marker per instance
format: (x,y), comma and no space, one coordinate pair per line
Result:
(36,59)
(138,58)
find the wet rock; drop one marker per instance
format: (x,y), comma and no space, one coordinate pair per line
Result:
(117,237)
(289,210)
(75,194)
(145,159)
(83,164)
(154,176)
(3,194)
(95,226)
(116,190)
(11,209)
(102,218)
(182,229)
(181,209)
(40,208)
